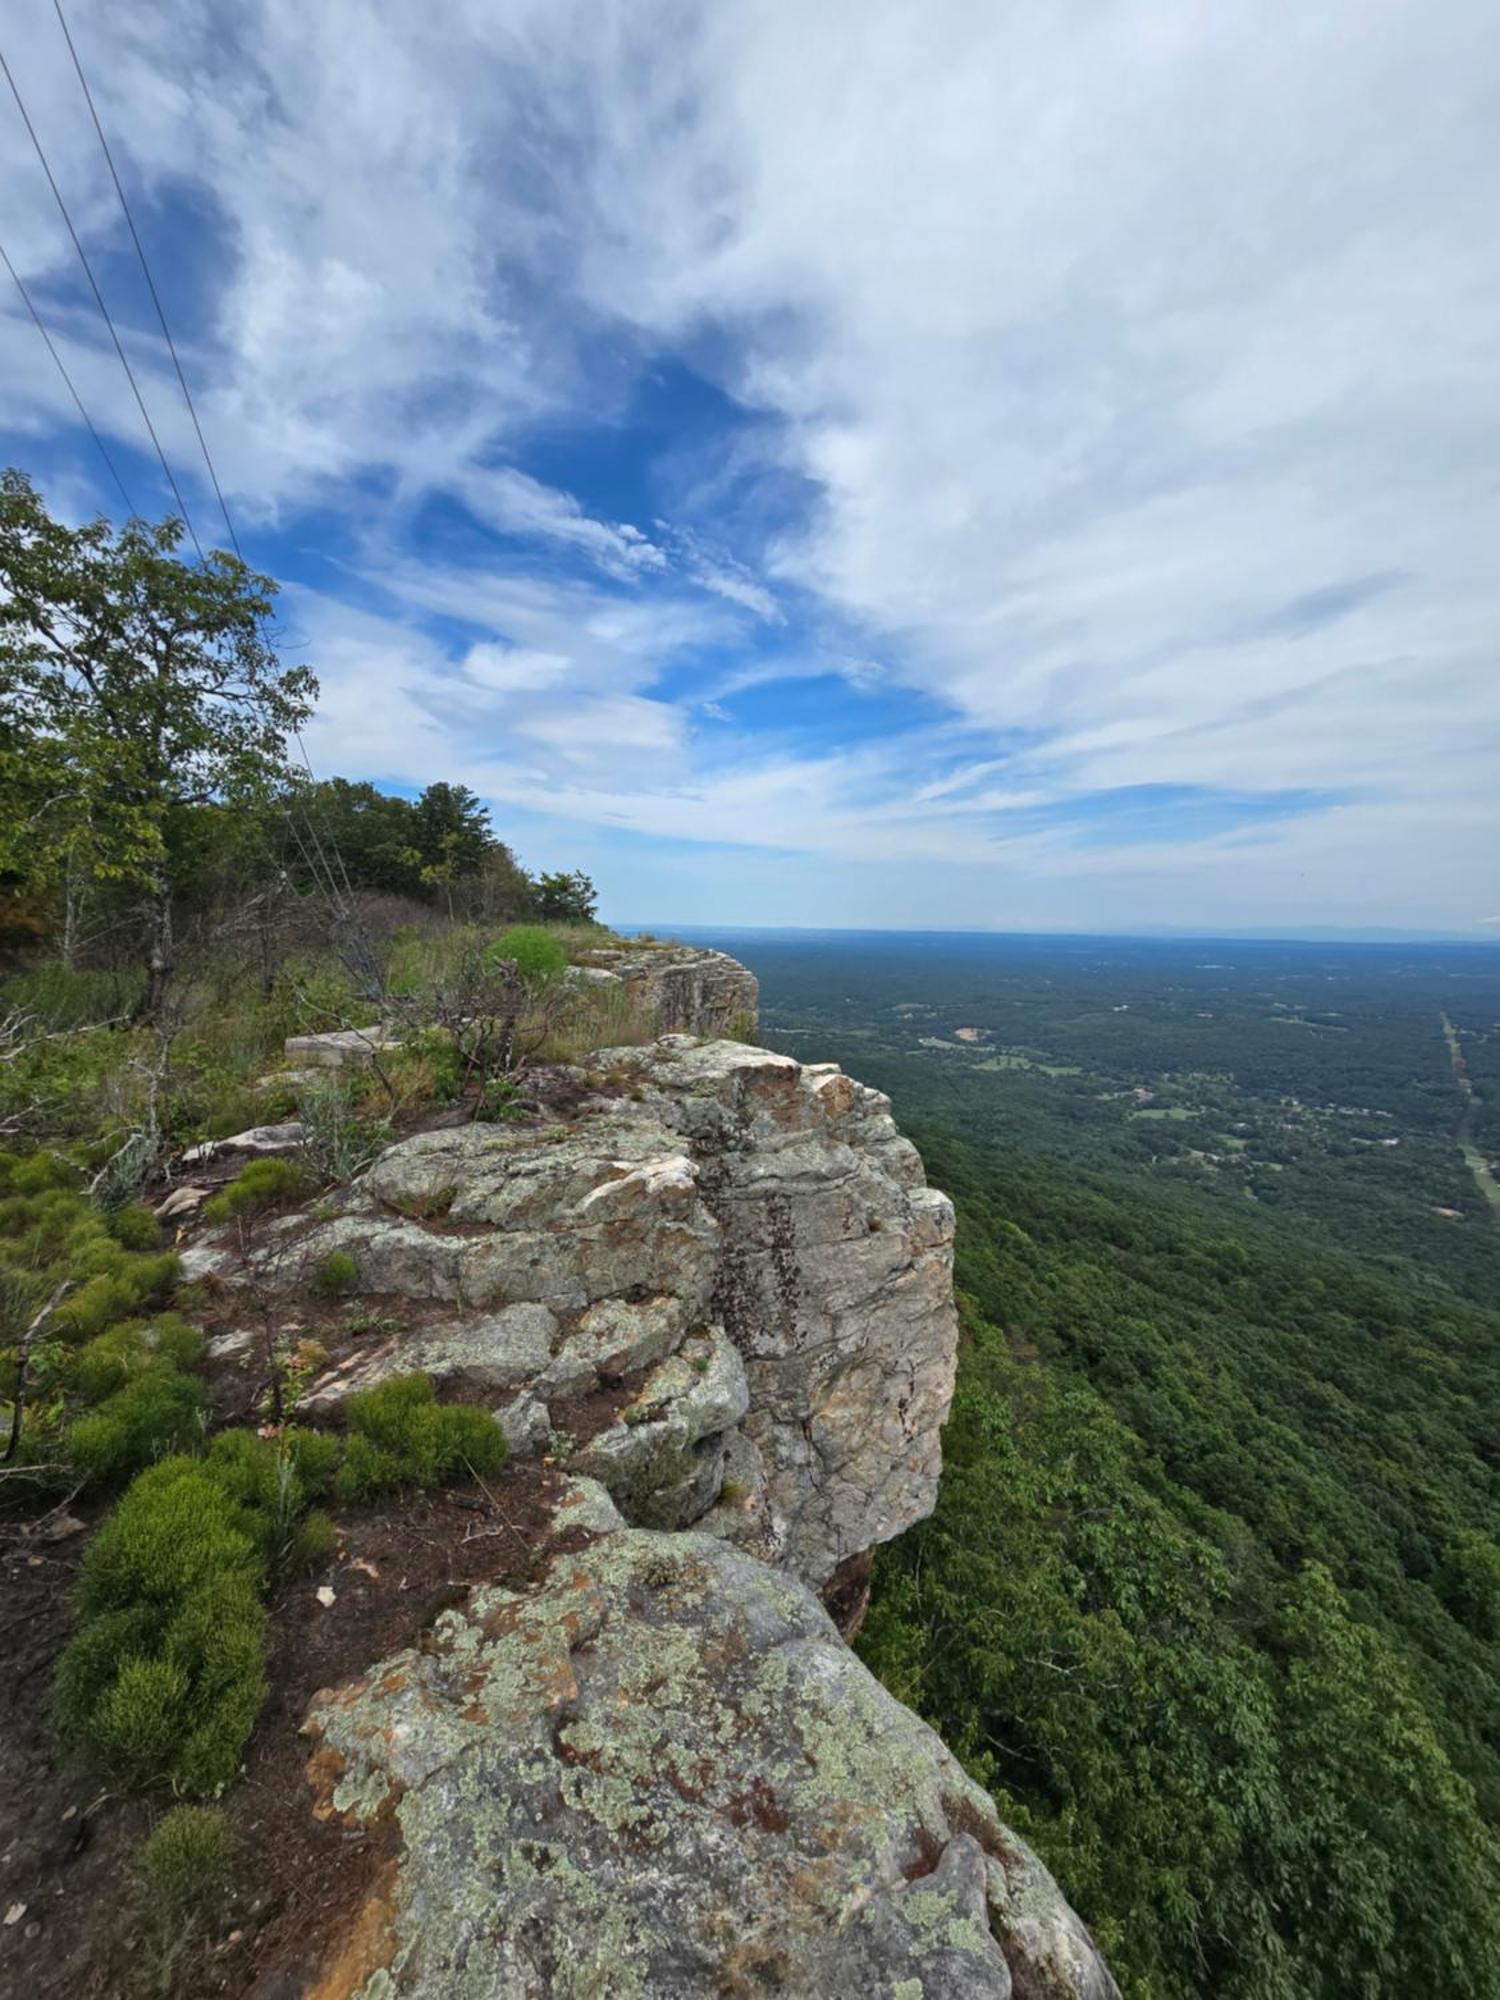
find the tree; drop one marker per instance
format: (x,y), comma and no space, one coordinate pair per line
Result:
(567,899)
(133,685)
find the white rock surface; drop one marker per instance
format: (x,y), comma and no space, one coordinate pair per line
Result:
(718,1194)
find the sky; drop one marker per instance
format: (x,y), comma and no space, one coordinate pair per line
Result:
(972,464)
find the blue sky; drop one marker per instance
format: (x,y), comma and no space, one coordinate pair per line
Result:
(974,465)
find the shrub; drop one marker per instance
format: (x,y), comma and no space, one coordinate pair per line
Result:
(337,1141)
(400,1435)
(336,1274)
(166,1674)
(155,1413)
(314,1540)
(107,1362)
(122,1283)
(262,1185)
(532,950)
(134,1227)
(181,1878)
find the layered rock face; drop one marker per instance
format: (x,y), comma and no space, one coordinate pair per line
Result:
(663,1773)
(751,1232)
(684,988)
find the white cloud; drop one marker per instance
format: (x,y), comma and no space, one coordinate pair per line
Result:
(512,500)
(1138,365)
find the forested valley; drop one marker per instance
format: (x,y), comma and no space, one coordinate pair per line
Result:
(1211,1598)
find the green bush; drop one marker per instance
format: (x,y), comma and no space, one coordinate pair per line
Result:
(107,1362)
(135,1227)
(122,1283)
(166,1674)
(185,1865)
(401,1436)
(157,1412)
(262,1185)
(313,1541)
(36,1173)
(534,952)
(336,1274)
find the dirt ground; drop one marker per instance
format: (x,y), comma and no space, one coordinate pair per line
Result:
(66,1843)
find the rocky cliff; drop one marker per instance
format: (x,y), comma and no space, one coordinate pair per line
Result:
(682,988)
(710,1285)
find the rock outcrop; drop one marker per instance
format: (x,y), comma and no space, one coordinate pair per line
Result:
(662,1773)
(682,988)
(669,988)
(751,1232)
(655,1771)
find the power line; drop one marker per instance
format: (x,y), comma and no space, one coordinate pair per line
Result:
(146,273)
(67,378)
(88,271)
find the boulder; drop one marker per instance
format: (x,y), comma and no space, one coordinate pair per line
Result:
(526,1425)
(664,1461)
(258,1139)
(660,1772)
(341,1048)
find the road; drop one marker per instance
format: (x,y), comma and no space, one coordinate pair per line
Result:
(1489,1187)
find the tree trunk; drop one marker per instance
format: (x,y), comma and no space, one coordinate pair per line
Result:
(73,894)
(161,954)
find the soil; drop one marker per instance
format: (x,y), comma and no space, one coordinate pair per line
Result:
(66,1849)
(68,1927)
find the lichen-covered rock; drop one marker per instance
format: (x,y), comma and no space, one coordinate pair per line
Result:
(664,1461)
(661,1773)
(707,1184)
(682,988)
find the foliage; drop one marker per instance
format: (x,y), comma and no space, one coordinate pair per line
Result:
(401,1436)
(106,1363)
(1207,1596)
(533,951)
(155,1412)
(166,1674)
(181,1879)
(566,898)
(136,687)
(256,1188)
(337,1140)
(336,1274)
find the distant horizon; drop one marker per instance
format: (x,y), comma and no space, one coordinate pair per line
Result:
(1146,934)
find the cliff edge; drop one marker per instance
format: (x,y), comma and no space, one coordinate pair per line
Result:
(711,1286)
